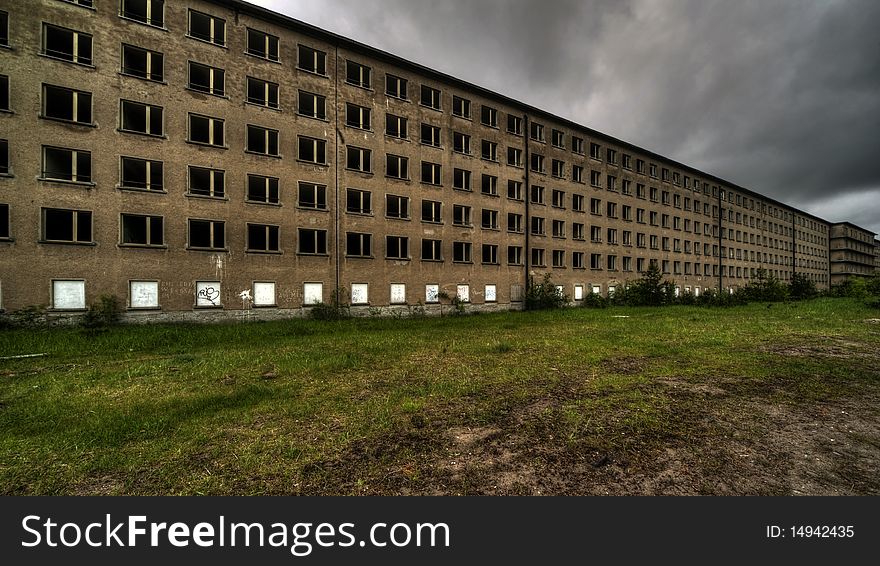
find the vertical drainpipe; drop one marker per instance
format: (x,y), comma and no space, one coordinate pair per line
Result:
(336,136)
(793,248)
(527,226)
(720,247)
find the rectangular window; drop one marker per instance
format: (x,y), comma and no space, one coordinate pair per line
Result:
(313,293)
(397,294)
(358,159)
(357,116)
(595,206)
(537,162)
(489,219)
(514,222)
(626,213)
(626,161)
(537,195)
(262,189)
(626,187)
(514,156)
(558,258)
(577,231)
(207,234)
(612,236)
(536,132)
(489,116)
(489,185)
(207,79)
(577,174)
(577,145)
(461,143)
(358,201)
(557,168)
(67,44)
(431,250)
(514,190)
(514,255)
(395,126)
(595,151)
(142,174)
(312,242)
(396,87)
(312,150)
(396,206)
(611,210)
(150,12)
(312,195)
(140,118)
(206,130)
(595,261)
(357,74)
(430,97)
(311,60)
(652,170)
(461,107)
(65,104)
(207,182)
(627,263)
(640,166)
(490,256)
(611,183)
(396,247)
(537,226)
(558,139)
(577,262)
(262,44)
(461,252)
(595,233)
(558,198)
(431,211)
(461,215)
(577,203)
(489,150)
(4,92)
(514,124)
(206,27)
(262,93)
(538,257)
(558,229)
(640,191)
(611,262)
(68,295)
(63,164)
(143,294)
(461,179)
(430,135)
(72,226)
(431,173)
(358,244)
(140,230)
(595,178)
(142,63)
(84,3)
(262,140)
(264,294)
(312,105)
(396,166)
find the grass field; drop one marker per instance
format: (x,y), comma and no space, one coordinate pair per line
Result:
(782,399)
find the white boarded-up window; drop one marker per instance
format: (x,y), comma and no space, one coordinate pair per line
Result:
(597,290)
(264,294)
(463,292)
(516,293)
(611,289)
(578,292)
(432,293)
(687,290)
(677,290)
(398,293)
(68,295)
(560,290)
(143,294)
(491,293)
(360,294)
(208,294)
(696,291)
(313,293)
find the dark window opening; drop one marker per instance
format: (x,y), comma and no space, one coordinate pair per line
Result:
(141,174)
(312,196)
(358,245)
(262,189)
(207,234)
(142,63)
(263,238)
(142,230)
(67,225)
(262,44)
(150,12)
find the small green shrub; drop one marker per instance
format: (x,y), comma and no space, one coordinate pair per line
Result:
(595,301)
(106,312)
(337,309)
(801,287)
(544,295)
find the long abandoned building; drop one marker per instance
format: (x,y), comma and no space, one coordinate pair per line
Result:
(193,157)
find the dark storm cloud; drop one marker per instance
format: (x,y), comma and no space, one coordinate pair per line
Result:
(782,97)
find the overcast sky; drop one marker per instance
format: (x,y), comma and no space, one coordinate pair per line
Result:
(779,96)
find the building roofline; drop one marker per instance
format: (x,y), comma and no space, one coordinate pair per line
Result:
(856,226)
(340,40)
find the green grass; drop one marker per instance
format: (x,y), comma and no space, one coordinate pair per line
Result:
(365,406)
